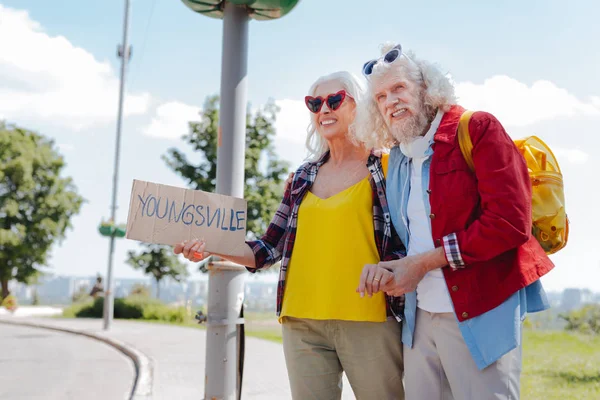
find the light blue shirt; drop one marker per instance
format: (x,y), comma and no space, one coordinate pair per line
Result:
(488,336)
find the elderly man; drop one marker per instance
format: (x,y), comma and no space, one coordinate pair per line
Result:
(473,268)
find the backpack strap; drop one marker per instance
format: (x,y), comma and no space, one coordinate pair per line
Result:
(385,158)
(464,139)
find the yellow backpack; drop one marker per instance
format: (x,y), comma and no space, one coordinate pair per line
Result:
(385,160)
(550,221)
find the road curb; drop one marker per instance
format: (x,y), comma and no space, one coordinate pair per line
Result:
(142,385)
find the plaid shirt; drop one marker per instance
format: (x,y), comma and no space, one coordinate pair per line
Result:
(278,242)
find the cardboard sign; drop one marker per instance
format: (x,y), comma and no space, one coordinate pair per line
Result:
(168,215)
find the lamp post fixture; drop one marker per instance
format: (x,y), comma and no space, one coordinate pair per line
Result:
(224,338)
(109,228)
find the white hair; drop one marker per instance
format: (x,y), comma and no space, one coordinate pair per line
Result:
(437,93)
(315,144)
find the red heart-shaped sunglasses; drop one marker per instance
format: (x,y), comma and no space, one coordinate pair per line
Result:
(334,101)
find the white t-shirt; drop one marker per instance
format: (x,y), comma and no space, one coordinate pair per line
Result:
(432,292)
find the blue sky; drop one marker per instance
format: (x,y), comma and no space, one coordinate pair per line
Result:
(534,64)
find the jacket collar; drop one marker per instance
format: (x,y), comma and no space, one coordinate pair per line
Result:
(447,129)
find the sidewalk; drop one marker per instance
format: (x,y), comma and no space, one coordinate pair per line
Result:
(177,356)
(32,311)
(40,364)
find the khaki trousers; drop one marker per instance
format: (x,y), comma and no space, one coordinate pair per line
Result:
(439,365)
(317,352)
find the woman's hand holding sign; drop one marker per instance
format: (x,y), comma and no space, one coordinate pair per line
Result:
(193,250)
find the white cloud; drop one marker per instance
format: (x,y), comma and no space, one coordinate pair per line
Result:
(47,78)
(171,120)
(574,156)
(516,104)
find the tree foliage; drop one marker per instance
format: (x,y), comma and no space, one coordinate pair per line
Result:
(36,202)
(159,262)
(264,172)
(585,320)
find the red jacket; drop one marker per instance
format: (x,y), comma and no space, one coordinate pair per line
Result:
(488,214)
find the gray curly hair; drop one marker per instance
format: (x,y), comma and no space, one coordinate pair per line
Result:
(438,93)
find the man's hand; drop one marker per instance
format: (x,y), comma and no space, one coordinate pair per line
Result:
(409,271)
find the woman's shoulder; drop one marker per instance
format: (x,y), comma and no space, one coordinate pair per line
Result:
(301,174)
(381,157)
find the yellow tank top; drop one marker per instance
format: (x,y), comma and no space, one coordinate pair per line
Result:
(334,241)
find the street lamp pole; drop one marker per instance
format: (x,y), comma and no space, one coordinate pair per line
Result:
(124,53)
(226,280)
(224,336)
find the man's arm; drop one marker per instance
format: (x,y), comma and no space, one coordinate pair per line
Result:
(505,191)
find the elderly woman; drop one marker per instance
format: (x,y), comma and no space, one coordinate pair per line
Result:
(333,220)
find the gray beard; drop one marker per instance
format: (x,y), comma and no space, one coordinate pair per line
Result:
(410,128)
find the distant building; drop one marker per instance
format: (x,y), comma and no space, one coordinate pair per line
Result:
(571,299)
(554,298)
(587,296)
(22,292)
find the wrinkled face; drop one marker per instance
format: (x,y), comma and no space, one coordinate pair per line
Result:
(400,103)
(333,124)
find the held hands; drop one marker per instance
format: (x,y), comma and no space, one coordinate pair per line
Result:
(399,277)
(373,278)
(408,272)
(395,278)
(193,250)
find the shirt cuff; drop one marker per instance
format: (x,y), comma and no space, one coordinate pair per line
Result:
(455,260)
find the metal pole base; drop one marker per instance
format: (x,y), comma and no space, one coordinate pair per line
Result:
(225,302)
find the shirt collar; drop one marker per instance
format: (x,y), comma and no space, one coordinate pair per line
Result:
(435,124)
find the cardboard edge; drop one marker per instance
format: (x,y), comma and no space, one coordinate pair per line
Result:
(131,214)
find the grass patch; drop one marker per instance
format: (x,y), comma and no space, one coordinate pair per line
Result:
(254,327)
(132,307)
(560,365)
(273,334)
(266,335)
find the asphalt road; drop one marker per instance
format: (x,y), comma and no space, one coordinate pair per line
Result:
(41,364)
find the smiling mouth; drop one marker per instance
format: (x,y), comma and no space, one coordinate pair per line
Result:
(399,112)
(328,122)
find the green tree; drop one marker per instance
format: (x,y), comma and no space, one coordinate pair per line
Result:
(36,202)
(140,290)
(264,172)
(158,261)
(585,320)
